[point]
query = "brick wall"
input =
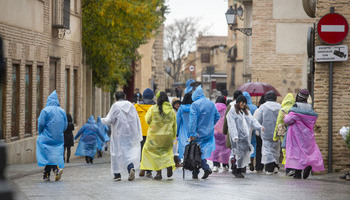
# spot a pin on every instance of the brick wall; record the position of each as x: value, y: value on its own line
x: 341, y: 94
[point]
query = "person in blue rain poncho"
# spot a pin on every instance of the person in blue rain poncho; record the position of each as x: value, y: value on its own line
x: 52, y: 122
x: 87, y: 146
x: 203, y: 117
x: 182, y: 120
x: 104, y: 130
x: 252, y: 109
x: 189, y: 86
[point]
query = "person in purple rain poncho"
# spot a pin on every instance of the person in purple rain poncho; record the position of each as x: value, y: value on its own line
x: 221, y: 154
x: 302, y: 152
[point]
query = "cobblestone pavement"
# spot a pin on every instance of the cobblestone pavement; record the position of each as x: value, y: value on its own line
x: 83, y: 181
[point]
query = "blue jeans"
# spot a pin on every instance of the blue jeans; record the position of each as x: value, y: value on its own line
x: 205, y: 167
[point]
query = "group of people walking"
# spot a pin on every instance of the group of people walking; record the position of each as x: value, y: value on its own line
x: 152, y: 135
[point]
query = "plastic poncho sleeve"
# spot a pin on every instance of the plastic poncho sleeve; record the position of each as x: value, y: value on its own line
x: 290, y: 118
x: 192, y: 127
x: 79, y: 132
x: 178, y: 121
x: 225, y: 127
x: 279, y: 121
x: 254, y: 123
x: 232, y: 126
x: 42, y: 121
x: 100, y: 135
x: 174, y: 126
x: 111, y: 116
x: 149, y: 114
x: 259, y: 116
x: 217, y: 116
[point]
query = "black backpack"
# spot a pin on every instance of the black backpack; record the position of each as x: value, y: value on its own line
x: 192, y: 157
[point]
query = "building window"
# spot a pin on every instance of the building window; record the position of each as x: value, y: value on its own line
x: 28, y: 101
x: 52, y: 78
x: 67, y: 88
x: 60, y: 13
x: 233, y: 75
x: 39, y: 92
x: 75, y: 95
x: 205, y: 57
x: 15, y: 101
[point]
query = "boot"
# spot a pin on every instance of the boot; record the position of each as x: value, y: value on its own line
x: 142, y: 173
x: 297, y: 174
x: 159, y: 175
x: 251, y: 164
x: 169, y: 171
x: 238, y: 173
x: 46, y: 176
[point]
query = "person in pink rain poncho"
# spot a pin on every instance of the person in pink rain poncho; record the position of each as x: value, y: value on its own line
x: 221, y: 154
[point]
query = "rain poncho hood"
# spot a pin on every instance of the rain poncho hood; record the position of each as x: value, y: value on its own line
x: 104, y: 129
x: 250, y: 104
x: 221, y: 153
x: 89, y: 133
x: 287, y: 104
x: 52, y: 122
x: 267, y: 117
x: 182, y: 120
x: 126, y: 136
x: 141, y: 111
x: 301, y: 147
x: 239, y: 126
x: 203, y: 117
x: 157, y: 152
x: 188, y: 85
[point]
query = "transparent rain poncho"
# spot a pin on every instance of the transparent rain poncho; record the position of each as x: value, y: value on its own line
x: 52, y: 122
x: 89, y: 133
x: 125, y: 147
x: 157, y: 152
x: 104, y: 129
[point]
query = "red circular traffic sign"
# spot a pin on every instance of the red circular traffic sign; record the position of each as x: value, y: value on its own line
x: 332, y: 28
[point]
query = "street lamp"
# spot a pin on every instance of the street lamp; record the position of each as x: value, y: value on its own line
x: 231, y: 15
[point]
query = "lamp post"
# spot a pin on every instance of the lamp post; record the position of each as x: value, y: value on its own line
x: 231, y: 16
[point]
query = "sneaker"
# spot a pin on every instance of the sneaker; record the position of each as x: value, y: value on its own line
x: 215, y: 169
x: 307, y: 171
x: 58, y: 174
x: 169, y: 171
x: 117, y: 177
x: 131, y: 174
x: 291, y: 173
x: 46, y: 177
x: 226, y: 168
x: 194, y: 176
x: 206, y: 174
x: 142, y: 173
x: 251, y: 167
x: 269, y: 173
x: 149, y: 175
x: 347, y: 174
x: 158, y: 176
x: 275, y: 170
x: 297, y: 175
x: 238, y: 175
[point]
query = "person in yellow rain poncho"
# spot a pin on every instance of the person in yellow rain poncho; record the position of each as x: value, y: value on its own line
x: 142, y: 108
x: 157, y: 153
x: 287, y: 104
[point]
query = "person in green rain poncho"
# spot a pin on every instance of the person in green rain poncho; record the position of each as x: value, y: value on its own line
x: 157, y: 152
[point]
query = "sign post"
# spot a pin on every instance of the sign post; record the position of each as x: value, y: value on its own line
x: 332, y: 29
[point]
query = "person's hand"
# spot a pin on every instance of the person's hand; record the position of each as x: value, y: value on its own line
x: 263, y: 129
x: 192, y: 138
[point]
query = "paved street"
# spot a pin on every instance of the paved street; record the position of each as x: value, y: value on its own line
x: 82, y: 181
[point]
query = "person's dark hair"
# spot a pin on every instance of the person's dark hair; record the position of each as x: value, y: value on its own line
x: 236, y: 94
x: 270, y: 96
x: 262, y: 100
x: 240, y: 99
x: 187, y: 99
x: 176, y: 102
x: 119, y: 95
x: 302, y: 96
x: 69, y: 118
x: 228, y: 101
x: 163, y: 97
x: 221, y: 99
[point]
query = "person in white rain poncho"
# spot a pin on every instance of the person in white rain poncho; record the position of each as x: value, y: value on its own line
x: 268, y: 117
x: 240, y: 121
x: 126, y: 136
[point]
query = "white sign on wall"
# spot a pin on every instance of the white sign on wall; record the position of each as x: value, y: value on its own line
x: 331, y: 53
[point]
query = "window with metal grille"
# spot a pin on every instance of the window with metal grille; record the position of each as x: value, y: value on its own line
x: 28, y: 101
x: 205, y: 57
x: 60, y: 13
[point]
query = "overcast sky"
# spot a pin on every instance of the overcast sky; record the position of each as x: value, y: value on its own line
x: 211, y: 12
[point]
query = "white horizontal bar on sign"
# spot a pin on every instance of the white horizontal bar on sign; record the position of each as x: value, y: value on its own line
x: 332, y: 28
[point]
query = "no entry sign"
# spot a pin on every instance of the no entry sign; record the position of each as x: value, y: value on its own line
x: 332, y: 28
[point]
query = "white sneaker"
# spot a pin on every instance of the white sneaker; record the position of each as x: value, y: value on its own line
x: 275, y: 171
x: 269, y: 173
x: 215, y: 169
x: 58, y: 174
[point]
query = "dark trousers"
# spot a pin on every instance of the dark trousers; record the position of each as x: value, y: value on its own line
x: 258, y: 165
x: 205, y: 167
x: 217, y: 164
x: 88, y: 159
x: 143, y: 143
x: 48, y: 168
x: 68, y: 153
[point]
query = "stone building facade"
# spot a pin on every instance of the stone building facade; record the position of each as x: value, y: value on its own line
x: 39, y: 59
x: 341, y: 94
